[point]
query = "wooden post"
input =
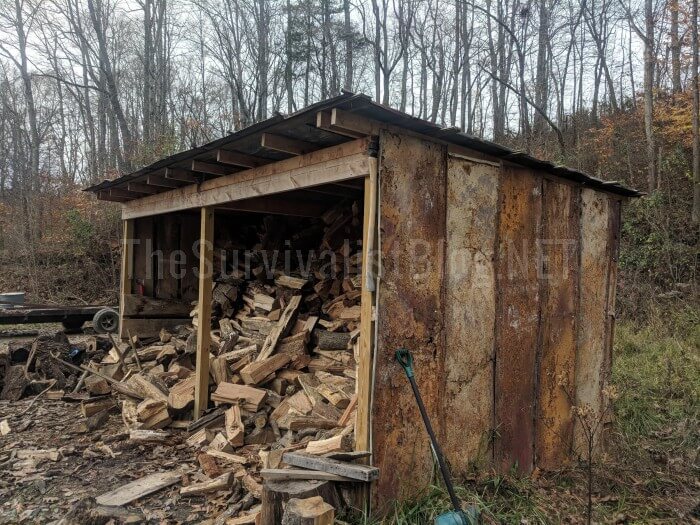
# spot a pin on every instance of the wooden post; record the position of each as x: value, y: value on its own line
x: 364, y: 365
x: 206, y: 251
x: 365, y: 354
x: 127, y: 269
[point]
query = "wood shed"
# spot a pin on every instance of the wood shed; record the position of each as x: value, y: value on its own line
x: 496, y: 269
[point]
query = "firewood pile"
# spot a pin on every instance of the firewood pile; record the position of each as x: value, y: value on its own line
x: 282, y: 373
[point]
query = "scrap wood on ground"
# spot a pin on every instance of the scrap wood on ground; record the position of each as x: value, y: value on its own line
x: 282, y: 382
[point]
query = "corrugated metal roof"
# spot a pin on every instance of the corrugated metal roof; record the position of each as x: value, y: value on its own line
x: 301, y: 126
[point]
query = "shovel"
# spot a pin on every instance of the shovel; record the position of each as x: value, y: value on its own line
x: 458, y: 516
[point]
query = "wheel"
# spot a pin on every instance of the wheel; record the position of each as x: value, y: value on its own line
x: 106, y: 321
x: 72, y: 327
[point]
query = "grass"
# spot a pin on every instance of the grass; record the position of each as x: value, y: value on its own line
x: 650, y: 469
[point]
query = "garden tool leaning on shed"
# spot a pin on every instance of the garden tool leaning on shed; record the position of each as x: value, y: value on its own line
x: 458, y: 516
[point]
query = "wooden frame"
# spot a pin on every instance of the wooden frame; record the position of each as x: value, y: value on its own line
x: 206, y: 252
x: 334, y: 164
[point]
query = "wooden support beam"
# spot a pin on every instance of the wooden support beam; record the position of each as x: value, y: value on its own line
x: 181, y: 174
x: 332, y: 189
x: 279, y: 206
x: 123, y: 193
x: 140, y: 187
x: 211, y: 168
x: 343, y: 123
x: 127, y: 269
x: 286, y: 144
x: 365, y: 358
x: 105, y: 196
x: 239, y: 159
x: 206, y: 251
x: 158, y: 180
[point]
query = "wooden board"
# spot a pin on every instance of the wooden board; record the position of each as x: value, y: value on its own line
x: 151, y: 327
x: 593, y: 294
x: 470, y: 311
x: 410, y: 313
x: 134, y: 305
x: 614, y: 224
x: 201, y: 386
x: 560, y: 227
x: 365, y: 355
x: 127, y: 268
x: 139, y: 488
x: 143, y: 250
x: 332, y: 466
x: 517, y: 319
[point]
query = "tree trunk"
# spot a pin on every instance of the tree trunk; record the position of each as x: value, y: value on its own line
x: 348, y: 46
x: 675, y: 48
x: 696, y: 117
x: 649, y: 93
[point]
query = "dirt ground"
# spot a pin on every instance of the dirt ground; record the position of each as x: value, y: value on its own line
x: 89, y: 464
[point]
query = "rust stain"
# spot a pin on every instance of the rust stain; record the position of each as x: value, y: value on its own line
x: 554, y: 425
x: 410, y: 313
x: 517, y: 319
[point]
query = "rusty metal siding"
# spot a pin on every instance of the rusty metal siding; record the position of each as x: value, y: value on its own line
x: 410, y: 313
x: 470, y: 308
x: 559, y: 285
x: 591, y: 359
x: 517, y: 319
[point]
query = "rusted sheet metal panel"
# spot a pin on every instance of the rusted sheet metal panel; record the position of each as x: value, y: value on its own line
x: 593, y: 292
x: 410, y: 313
x: 470, y: 311
x: 559, y: 279
x: 517, y: 318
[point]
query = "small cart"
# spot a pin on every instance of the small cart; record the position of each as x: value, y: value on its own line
x: 104, y: 319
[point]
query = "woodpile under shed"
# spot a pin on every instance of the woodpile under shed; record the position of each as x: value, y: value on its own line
x: 282, y: 377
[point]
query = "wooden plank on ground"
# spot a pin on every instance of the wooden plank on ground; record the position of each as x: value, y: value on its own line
x: 410, y: 313
x: 206, y: 250
x: 517, y: 318
x: 139, y: 488
x: 332, y: 466
x: 470, y: 312
x: 560, y: 229
x: 289, y: 474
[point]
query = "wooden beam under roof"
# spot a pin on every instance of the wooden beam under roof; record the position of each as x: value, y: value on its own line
x: 158, y: 180
x: 286, y: 144
x: 211, y: 168
x: 181, y: 174
x: 280, y: 206
x: 241, y: 160
x: 334, y: 190
x: 105, y: 196
x: 124, y: 193
x: 140, y: 187
x: 331, y: 165
x: 344, y: 123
